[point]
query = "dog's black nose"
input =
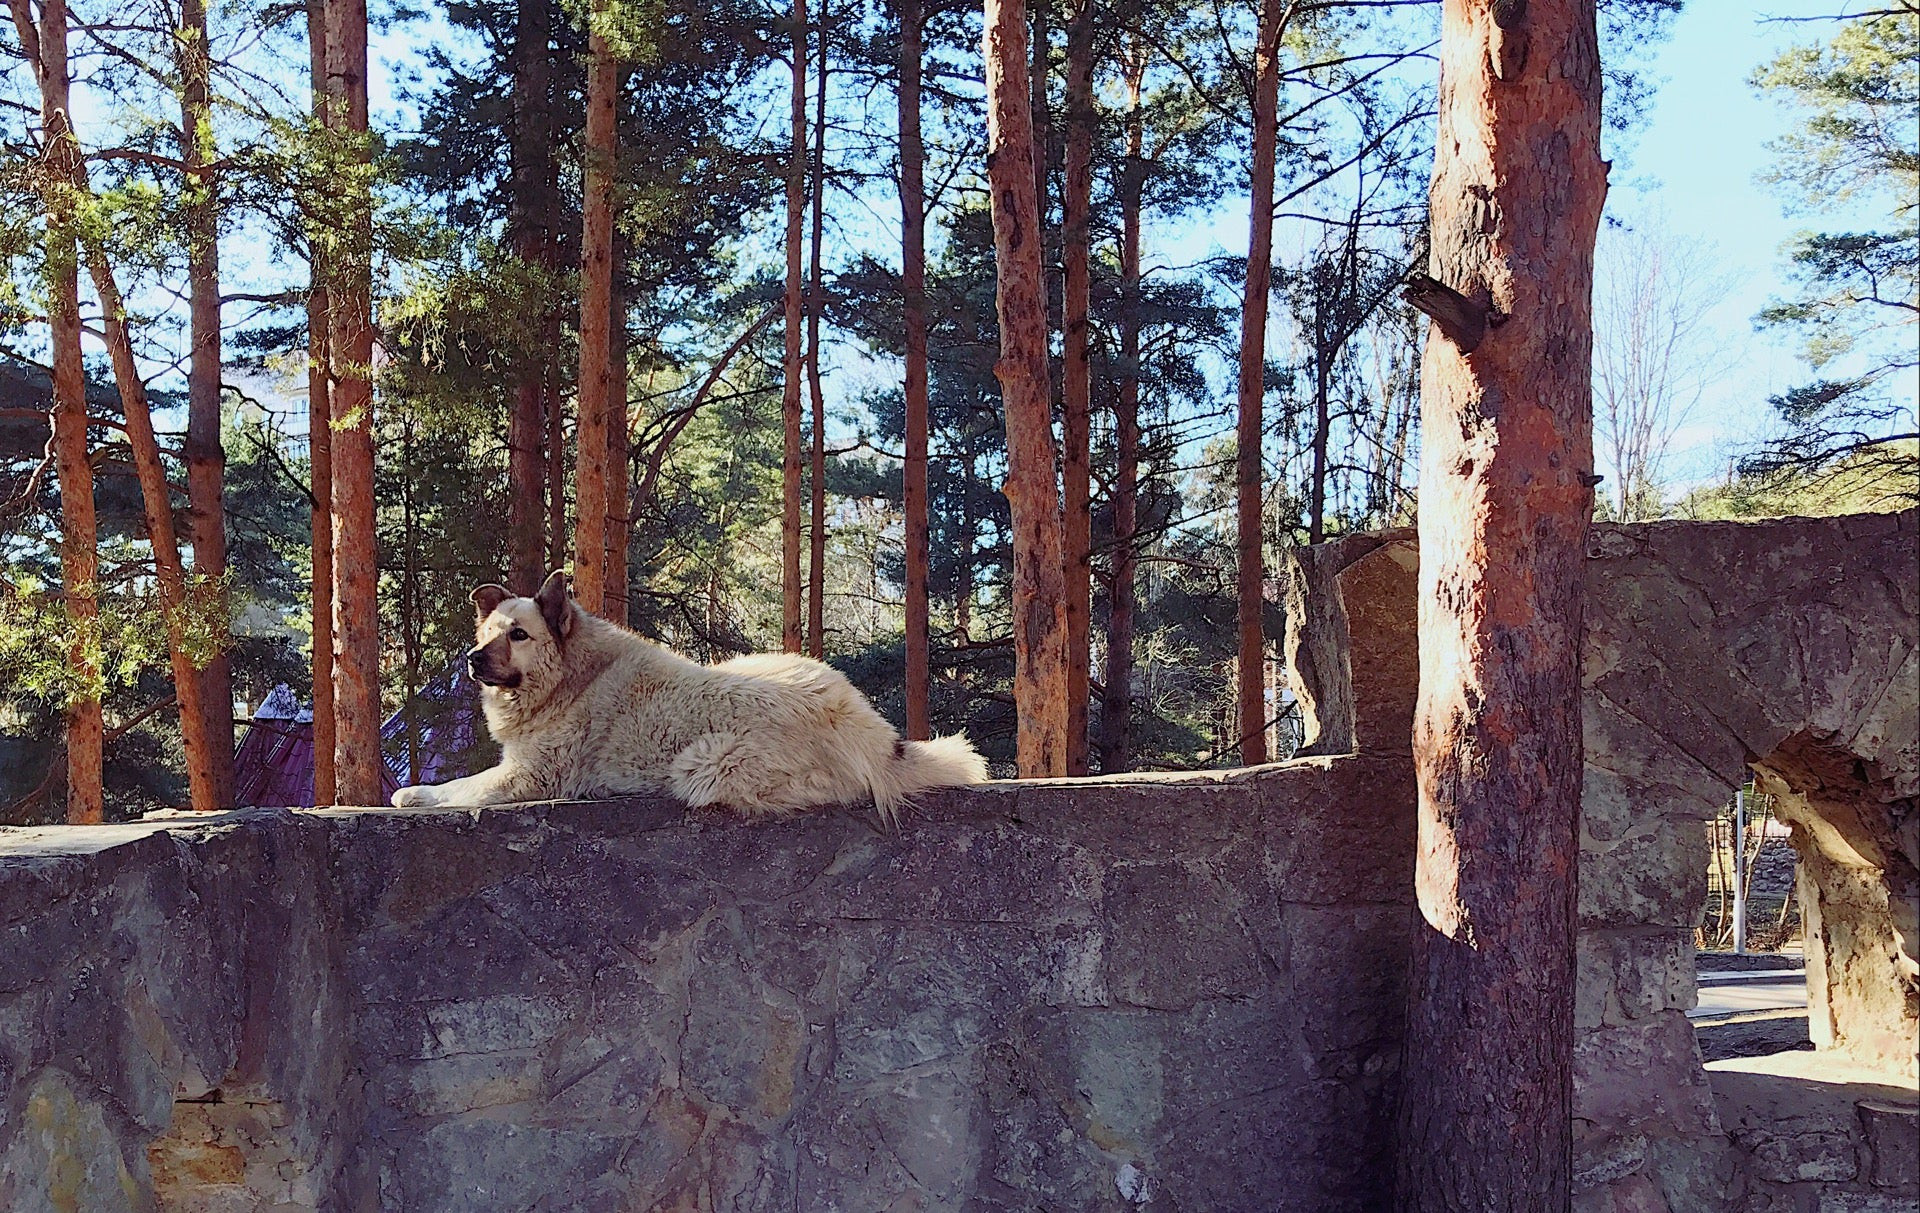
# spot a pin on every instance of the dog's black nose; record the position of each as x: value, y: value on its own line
x: 473, y: 659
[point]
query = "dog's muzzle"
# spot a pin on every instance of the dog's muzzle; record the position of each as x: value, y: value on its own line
x: 481, y: 669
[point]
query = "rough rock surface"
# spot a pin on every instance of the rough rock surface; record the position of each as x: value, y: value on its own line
x: 1787, y: 649
x: 1159, y: 994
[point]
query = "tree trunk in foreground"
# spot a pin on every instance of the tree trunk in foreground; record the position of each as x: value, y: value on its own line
x: 320, y: 452
x: 1033, y: 481
x: 913, y: 288
x: 1505, y: 498
x: 1248, y: 480
x: 79, y: 553
x: 1076, y: 377
x: 356, y: 572
x: 206, y: 460
x: 532, y: 202
x: 817, y: 455
x: 591, y: 474
x: 1116, y: 707
x: 790, y: 589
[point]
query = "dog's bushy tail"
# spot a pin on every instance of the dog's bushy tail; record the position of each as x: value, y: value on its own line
x: 917, y: 766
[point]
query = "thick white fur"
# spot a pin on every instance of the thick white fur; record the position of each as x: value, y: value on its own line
x: 600, y: 712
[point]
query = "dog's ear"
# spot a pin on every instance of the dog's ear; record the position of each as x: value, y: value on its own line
x: 487, y: 597
x: 556, y: 604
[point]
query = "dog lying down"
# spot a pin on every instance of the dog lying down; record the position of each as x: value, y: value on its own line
x: 583, y: 708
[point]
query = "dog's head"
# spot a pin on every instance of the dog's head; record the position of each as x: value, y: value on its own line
x: 520, y: 643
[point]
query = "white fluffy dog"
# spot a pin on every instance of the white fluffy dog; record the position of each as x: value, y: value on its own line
x: 583, y: 708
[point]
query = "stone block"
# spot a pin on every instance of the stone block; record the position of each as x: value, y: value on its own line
x: 1867, y: 1202
x: 1643, y: 1074
x: 1892, y: 1133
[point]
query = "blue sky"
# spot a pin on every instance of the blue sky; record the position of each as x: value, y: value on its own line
x: 1697, y: 162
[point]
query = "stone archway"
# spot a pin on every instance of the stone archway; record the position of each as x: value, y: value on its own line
x: 1789, y: 648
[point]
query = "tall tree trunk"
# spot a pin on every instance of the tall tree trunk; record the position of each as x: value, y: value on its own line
x: 1116, y: 708
x: 47, y: 48
x: 1505, y: 499
x: 356, y: 571
x: 817, y: 462
x: 1274, y: 15
x: 790, y: 466
x: 531, y: 204
x: 913, y: 289
x: 1076, y: 377
x: 79, y: 555
x: 1033, y: 480
x: 202, y: 784
x: 591, y: 474
x: 1037, y: 71
x: 206, y: 459
x: 1317, y: 485
x: 320, y: 450
x: 619, y: 448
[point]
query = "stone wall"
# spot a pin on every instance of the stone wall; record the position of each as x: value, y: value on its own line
x: 1788, y: 648
x: 1158, y: 993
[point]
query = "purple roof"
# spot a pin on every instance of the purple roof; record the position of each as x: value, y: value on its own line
x: 274, y: 763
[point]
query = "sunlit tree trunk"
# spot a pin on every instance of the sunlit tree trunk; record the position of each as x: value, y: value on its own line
x: 1116, y: 708
x: 791, y: 369
x: 913, y: 288
x: 169, y: 573
x: 46, y: 45
x: 1505, y: 498
x: 1076, y: 376
x: 591, y: 473
x: 1033, y: 482
x: 1248, y: 478
x: 816, y: 302
x: 206, y: 459
x: 320, y: 450
x: 356, y: 573
x: 532, y: 201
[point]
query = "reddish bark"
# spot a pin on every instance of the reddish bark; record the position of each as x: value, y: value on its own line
x: 203, y: 789
x: 913, y: 290
x: 1505, y: 498
x: 817, y: 460
x: 46, y: 47
x: 532, y: 202
x: 1248, y: 478
x: 356, y: 575
x: 591, y: 473
x: 320, y: 454
x: 1033, y: 481
x: 1116, y: 708
x: 1076, y: 377
x: 206, y: 459
x: 790, y: 589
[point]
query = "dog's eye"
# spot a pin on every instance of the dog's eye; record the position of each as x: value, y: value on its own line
x: 517, y: 634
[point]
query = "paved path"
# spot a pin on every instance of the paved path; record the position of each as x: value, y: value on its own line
x: 1772, y: 991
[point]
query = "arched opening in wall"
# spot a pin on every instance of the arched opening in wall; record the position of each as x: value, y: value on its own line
x: 1749, y: 949
x: 1857, y: 845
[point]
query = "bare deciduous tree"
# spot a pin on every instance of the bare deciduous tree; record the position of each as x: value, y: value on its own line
x: 1651, y: 356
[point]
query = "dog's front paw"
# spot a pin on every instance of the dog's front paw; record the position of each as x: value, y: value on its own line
x: 420, y: 796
